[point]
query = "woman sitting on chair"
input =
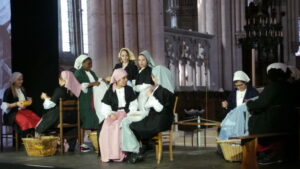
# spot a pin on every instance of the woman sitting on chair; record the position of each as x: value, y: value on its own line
x: 15, y: 104
x: 160, y: 103
x: 118, y: 100
x: 69, y: 89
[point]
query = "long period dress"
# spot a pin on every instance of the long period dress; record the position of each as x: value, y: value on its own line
x: 24, y: 118
x: 117, y: 102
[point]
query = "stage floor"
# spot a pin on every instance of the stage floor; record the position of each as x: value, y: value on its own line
x: 184, y: 158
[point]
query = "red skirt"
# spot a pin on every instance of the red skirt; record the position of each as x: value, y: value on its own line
x: 26, y: 119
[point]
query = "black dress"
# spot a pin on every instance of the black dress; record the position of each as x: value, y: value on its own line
x: 144, y: 76
x: 110, y: 98
x: 156, y: 122
x: 51, y: 118
x: 273, y: 111
x: 131, y: 70
x: 9, y: 118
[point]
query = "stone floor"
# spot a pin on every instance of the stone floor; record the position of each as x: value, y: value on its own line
x: 184, y: 157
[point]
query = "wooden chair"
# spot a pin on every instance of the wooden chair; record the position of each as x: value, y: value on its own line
x: 249, y: 145
x: 158, y: 139
x: 9, y: 133
x: 68, y: 105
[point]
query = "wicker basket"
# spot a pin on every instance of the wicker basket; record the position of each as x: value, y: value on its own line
x: 40, y: 147
x: 232, y: 149
x: 93, y: 137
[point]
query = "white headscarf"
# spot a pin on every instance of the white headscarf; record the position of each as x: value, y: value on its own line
x: 15, y: 76
x: 241, y: 76
x: 79, y: 60
x: 277, y: 65
x: 164, y: 77
x: 295, y: 72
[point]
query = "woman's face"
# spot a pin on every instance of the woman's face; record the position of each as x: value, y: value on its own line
x: 122, y: 82
x: 19, y: 82
x: 61, y: 81
x: 142, y: 61
x: 124, y: 57
x: 87, y: 64
x: 240, y: 85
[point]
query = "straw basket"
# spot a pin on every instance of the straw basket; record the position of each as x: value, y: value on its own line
x: 40, y: 147
x: 232, y: 149
x: 93, y: 137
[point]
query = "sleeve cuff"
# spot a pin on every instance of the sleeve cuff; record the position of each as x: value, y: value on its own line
x: 84, y: 87
x: 153, y: 102
x: 4, y: 107
x: 48, y: 104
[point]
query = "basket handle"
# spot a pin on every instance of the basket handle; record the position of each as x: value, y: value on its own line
x: 29, y: 136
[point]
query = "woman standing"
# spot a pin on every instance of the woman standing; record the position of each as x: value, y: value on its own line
x: 15, y: 112
x: 118, y: 100
x: 127, y: 58
x: 90, y: 115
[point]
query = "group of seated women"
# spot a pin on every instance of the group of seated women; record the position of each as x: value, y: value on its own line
x: 271, y: 111
x: 131, y: 106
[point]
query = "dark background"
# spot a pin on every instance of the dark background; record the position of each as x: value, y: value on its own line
x: 35, y: 46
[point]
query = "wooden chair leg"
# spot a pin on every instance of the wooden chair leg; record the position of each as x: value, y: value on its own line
x: 156, y: 150
x: 16, y: 139
x: 159, y: 149
x: 171, y: 145
x: 249, y: 155
x: 79, y: 138
x: 82, y: 136
x: 184, y: 138
x: 61, y: 137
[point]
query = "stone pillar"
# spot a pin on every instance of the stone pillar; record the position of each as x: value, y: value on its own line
x: 202, y: 15
x: 157, y: 31
x: 290, y: 31
x: 227, y: 43
x: 130, y: 25
x: 211, y: 26
x: 98, y: 33
x: 117, y: 25
x: 113, y: 24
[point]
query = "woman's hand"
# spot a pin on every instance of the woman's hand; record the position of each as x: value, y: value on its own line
x: 224, y: 104
x: 94, y: 84
x: 44, y: 96
x: 107, y: 79
x: 113, y: 117
x: 19, y: 104
x: 150, y: 90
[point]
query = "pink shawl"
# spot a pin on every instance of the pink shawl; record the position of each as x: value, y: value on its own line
x: 71, y: 83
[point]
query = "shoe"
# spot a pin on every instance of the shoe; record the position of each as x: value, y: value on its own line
x: 267, y: 159
x: 84, y: 148
x: 133, y: 158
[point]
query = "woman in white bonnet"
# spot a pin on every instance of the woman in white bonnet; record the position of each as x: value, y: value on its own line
x: 241, y: 93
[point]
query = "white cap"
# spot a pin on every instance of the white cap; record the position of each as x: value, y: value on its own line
x: 241, y: 76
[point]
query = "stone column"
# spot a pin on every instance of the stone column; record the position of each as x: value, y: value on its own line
x: 98, y: 37
x: 226, y: 42
x: 211, y: 26
x: 130, y: 25
x: 157, y: 31
x: 202, y: 15
x: 117, y: 25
